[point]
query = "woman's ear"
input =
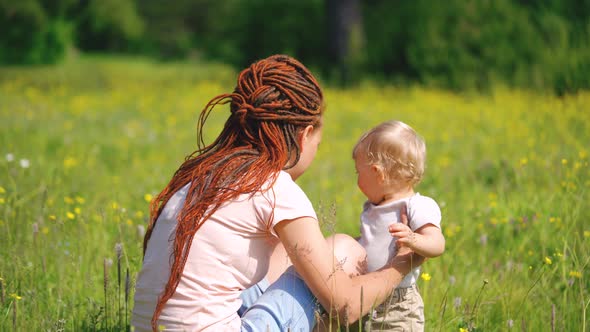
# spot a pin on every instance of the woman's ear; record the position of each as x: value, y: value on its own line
x: 305, y: 134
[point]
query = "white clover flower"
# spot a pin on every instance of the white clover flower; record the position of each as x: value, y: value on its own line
x: 9, y: 157
x: 452, y: 280
x: 140, y: 231
x: 25, y: 163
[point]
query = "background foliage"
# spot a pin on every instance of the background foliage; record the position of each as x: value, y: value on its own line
x: 499, y: 89
x: 85, y: 145
x: 454, y: 44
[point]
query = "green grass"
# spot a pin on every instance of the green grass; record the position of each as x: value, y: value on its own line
x: 510, y: 170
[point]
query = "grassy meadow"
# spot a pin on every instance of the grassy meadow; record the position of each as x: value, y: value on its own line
x: 84, y: 146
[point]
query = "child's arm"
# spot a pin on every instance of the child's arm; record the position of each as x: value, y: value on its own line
x: 428, y: 241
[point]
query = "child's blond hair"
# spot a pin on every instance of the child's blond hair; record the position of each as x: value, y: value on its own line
x: 397, y: 149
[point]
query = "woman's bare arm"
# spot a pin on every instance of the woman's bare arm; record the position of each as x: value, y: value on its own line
x: 336, y: 290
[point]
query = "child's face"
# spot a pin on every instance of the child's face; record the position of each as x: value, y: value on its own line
x: 369, y: 179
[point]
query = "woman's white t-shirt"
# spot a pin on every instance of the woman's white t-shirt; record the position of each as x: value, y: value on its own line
x: 229, y: 253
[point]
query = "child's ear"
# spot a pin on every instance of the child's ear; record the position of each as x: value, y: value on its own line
x: 379, y: 171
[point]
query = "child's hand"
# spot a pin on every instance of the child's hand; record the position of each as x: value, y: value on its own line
x: 405, y: 236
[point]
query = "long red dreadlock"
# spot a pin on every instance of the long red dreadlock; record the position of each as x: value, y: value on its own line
x: 275, y: 98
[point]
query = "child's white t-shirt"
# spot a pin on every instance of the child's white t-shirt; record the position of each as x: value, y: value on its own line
x: 375, y: 236
x: 229, y: 253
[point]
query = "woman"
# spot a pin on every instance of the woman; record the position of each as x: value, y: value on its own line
x: 233, y: 203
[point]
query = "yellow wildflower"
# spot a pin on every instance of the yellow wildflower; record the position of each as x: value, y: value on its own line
x: 77, y: 210
x: 2, y: 190
x: 548, y: 260
x: 16, y: 296
x: 425, y: 277
x: 2, y: 200
x: 564, y: 161
x: 45, y: 230
x: 80, y: 200
x: 576, y: 274
x: 68, y: 200
x: 52, y: 217
x: 70, y: 215
x: 461, y: 329
x: 70, y: 162
x: 148, y: 197
x: 586, y: 233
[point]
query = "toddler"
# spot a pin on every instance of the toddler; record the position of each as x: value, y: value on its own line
x: 389, y: 161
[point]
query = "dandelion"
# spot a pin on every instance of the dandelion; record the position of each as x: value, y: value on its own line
x: 25, y: 163
x: 462, y: 329
x: 77, y: 210
x: 148, y: 197
x: 548, y: 260
x: 564, y: 161
x: 70, y: 215
x: 2, y: 190
x: 2, y: 200
x: 575, y: 274
x: 9, y: 157
x: 45, y: 230
x: 523, y: 161
x: 52, y: 217
x: 80, y: 200
x: 114, y: 205
x: 586, y: 233
x: 425, y: 277
x: 68, y: 200
x: 70, y: 162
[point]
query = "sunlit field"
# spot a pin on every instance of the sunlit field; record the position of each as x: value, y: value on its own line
x: 86, y: 145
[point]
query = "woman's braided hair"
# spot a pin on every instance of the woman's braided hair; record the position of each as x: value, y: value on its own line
x: 275, y: 98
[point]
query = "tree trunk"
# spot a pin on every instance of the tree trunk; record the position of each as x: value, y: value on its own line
x: 344, y: 20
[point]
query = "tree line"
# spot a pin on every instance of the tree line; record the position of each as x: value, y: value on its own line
x: 457, y: 44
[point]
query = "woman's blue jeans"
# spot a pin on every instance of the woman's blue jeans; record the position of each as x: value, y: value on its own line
x: 285, y: 305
